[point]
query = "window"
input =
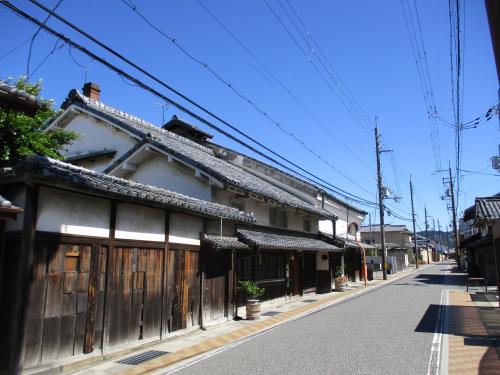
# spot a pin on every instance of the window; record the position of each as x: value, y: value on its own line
x: 307, y: 225
x: 278, y: 217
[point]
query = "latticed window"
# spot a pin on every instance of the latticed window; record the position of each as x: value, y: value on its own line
x: 278, y: 217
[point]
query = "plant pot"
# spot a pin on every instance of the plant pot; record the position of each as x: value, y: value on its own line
x: 253, y: 309
x: 339, y: 285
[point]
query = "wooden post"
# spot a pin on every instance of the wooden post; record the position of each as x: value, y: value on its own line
x: 88, y: 346
x: 201, y: 271
x: 164, y: 278
x: 111, y: 244
x: 24, y: 275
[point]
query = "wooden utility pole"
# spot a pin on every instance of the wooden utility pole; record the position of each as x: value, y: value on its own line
x: 415, y: 253
x: 426, y: 235
x: 454, y: 214
x: 380, y: 201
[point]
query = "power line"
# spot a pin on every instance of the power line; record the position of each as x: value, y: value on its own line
x: 279, y: 82
x: 32, y: 41
x: 324, y: 184
x: 242, y: 96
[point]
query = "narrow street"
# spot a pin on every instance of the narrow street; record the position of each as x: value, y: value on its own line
x: 386, y: 331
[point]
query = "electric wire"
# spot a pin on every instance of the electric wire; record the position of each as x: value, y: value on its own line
x: 242, y: 96
x: 324, y: 184
x: 32, y: 41
x: 280, y: 83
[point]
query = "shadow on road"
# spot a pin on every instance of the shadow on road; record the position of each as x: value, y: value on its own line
x: 461, y: 323
x: 451, y: 279
x: 476, y: 326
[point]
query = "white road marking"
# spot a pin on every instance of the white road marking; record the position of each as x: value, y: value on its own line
x: 435, y: 357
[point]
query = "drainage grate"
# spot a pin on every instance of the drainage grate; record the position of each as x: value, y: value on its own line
x: 142, y: 357
x: 309, y: 300
x: 270, y: 313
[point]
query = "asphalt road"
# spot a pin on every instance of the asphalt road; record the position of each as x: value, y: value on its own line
x: 388, y: 330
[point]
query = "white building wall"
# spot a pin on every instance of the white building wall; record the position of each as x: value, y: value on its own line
x: 135, y: 222
x: 185, y: 229
x: 96, y: 136
x: 72, y: 213
x: 157, y: 171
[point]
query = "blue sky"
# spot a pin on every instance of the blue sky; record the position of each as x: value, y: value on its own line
x: 367, y: 44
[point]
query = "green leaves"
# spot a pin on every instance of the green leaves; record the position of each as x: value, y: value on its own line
x: 22, y: 135
x: 251, y: 289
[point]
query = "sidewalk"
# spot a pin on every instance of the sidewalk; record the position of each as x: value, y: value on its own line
x: 473, y: 333
x: 177, y: 350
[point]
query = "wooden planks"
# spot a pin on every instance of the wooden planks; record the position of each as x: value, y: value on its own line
x: 134, y: 294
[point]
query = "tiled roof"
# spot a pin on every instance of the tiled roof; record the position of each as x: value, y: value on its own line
x: 194, y: 154
x: 485, y: 208
x: 12, y: 96
x: 352, y: 243
x: 488, y: 208
x: 273, y: 240
x: 59, y: 173
x: 387, y: 228
x: 223, y: 242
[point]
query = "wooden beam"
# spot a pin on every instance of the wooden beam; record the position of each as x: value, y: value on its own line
x: 88, y: 346
x: 24, y: 275
x: 106, y: 311
x: 164, y: 280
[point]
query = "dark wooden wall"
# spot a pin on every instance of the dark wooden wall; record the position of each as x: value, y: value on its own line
x: 182, y: 292
x: 80, y: 300
x: 216, y: 285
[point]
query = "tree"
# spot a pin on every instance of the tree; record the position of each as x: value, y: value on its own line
x: 22, y: 133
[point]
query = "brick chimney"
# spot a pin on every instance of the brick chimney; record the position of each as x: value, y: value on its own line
x: 92, y: 90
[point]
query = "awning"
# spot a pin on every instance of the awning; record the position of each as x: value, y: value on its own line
x: 222, y: 242
x: 283, y: 241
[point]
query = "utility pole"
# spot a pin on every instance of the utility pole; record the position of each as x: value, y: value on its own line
x: 434, y: 254
x: 426, y: 235
x: 454, y: 213
x: 415, y: 254
x: 380, y: 200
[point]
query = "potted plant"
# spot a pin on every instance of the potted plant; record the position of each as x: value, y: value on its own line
x: 253, y: 292
x: 340, y: 279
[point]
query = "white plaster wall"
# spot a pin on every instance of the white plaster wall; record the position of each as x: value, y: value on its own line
x: 97, y: 136
x: 135, y: 222
x: 322, y: 265
x: 157, y: 171
x: 71, y: 213
x: 214, y: 227
x: 260, y: 210
x: 326, y: 226
x: 185, y: 229
x: 17, y: 195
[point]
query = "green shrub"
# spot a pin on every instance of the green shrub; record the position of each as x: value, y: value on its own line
x: 251, y: 289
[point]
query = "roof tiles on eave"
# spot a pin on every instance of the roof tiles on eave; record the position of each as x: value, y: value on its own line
x: 197, y: 155
x: 488, y: 208
x: 64, y: 174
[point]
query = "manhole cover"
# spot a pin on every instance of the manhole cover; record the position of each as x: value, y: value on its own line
x: 142, y: 357
x: 270, y: 313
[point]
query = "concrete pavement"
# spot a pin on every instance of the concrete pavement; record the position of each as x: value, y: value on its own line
x: 199, y: 342
x: 401, y: 326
